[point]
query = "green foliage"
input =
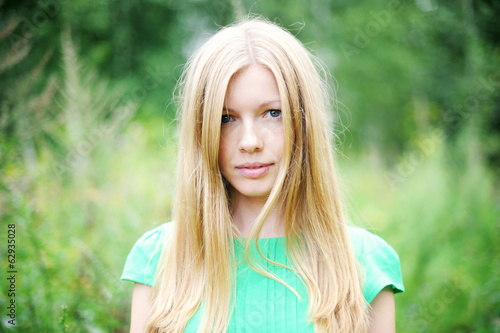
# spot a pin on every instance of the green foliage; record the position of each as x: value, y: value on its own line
x: 87, y: 163
x: 75, y: 198
x: 439, y: 208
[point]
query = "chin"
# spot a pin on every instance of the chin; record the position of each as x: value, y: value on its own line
x: 254, y: 194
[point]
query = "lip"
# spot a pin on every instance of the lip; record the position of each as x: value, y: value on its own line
x: 253, y: 170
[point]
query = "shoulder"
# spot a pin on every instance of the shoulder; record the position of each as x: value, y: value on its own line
x: 364, y: 241
x: 151, y: 240
x: 142, y: 260
x: 380, y: 262
x: 152, y: 236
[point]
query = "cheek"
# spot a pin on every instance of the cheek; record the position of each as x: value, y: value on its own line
x: 278, y: 143
x: 223, y: 155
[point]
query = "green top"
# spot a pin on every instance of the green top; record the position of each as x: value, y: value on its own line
x: 262, y: 304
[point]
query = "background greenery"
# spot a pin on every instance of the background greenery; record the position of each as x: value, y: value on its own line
x: 88, y: 146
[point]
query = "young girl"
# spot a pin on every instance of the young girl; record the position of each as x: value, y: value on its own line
x: 259, y: 242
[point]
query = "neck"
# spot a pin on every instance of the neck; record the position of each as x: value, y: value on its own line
x: 246, y: 210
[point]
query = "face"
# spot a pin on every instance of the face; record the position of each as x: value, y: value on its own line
x: 251, y: 144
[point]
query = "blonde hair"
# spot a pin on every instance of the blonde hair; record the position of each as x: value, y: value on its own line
x: 198, y: 261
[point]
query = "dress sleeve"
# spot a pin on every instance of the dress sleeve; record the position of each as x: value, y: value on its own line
x: 142, y: 260
x: 380, y: 262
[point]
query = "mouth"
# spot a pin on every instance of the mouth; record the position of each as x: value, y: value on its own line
x: 253, y: 170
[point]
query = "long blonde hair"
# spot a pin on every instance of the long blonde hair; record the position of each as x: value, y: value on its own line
x: 198, y: 261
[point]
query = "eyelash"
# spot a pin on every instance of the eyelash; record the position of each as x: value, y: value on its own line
x: 274, y: 110
x: 226, y: 118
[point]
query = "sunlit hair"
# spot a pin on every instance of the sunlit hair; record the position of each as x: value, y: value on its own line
x: 198, y: 261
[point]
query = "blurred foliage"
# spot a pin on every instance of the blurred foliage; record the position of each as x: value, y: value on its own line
x: 87, y: 143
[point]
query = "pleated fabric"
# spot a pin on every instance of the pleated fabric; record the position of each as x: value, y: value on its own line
x: 263, y: 304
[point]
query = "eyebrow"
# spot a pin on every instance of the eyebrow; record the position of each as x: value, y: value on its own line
x: 270, y: 102
x: 261, y: 105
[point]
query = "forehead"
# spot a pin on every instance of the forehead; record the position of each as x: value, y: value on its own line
x: 253, y: 85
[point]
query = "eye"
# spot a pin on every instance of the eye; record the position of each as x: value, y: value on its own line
x: 274, y: 113
x: 226, y: 118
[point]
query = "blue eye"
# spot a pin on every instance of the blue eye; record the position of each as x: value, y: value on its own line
x: 274, y: 113
x: 225, y: 118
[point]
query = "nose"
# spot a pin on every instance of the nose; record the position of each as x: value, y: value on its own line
x: 250, y: 140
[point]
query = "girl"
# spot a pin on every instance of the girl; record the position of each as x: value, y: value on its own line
x: 259, y: 242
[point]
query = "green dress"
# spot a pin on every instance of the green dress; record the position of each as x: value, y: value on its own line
x: 262, y: 304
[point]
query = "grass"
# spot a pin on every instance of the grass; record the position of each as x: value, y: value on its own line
x: 442, y: 218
